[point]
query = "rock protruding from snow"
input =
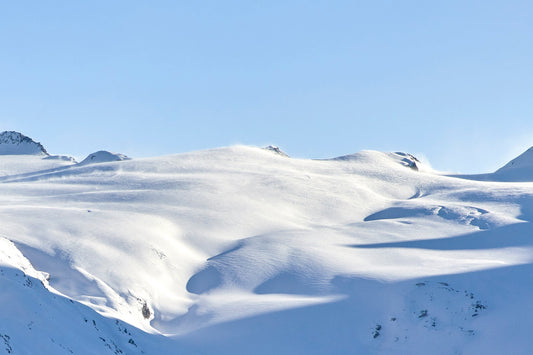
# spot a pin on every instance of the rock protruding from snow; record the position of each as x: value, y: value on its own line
x: 15, y: 143
x: 276, y: 150
x: 103, y: 156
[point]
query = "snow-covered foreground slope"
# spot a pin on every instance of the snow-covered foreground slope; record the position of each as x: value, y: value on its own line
x: 242, y: 250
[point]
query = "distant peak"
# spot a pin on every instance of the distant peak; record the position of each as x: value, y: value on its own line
x: 524, y: 160
x: 276, y: 150
x: 103, y: 156
x: 15, y: 143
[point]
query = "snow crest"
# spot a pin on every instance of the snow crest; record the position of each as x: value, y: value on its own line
x: 518, y: 169
x: 103, y: 156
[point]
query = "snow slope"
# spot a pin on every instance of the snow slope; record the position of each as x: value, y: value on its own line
x: 518, y: 169
x: 241, y: 250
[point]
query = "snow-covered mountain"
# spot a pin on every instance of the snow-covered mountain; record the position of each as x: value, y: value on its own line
x: 15, y: 143
x: 240, y: 251
x: 518, y: 169
x: 21, y: 154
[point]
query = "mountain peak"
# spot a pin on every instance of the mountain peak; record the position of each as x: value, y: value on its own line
x: 524, y: 160
x: 15, y: 143
x: 518, y: 169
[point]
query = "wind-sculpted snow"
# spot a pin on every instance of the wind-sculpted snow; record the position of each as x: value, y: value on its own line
x: 238, y: 251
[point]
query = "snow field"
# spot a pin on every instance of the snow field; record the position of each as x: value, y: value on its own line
x: 240, y: 250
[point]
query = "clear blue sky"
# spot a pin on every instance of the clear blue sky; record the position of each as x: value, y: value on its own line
x: 452, y: 80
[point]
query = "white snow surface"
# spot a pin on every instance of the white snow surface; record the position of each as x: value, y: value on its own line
x: 103, y: 156
x: 240, y: 251
x: 518, y: 169
x: 11, y: 166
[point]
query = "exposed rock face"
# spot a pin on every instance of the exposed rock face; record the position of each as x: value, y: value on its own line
x: 15, y: 143
x: 146, y: 311
x: 276, y: 150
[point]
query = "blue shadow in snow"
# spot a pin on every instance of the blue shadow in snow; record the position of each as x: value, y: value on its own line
x: 514, y: 235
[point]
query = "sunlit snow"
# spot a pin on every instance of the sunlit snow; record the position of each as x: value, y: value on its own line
x: 242, y: 250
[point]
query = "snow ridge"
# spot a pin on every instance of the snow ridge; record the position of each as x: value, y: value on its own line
x: 518, y: 169
x: 524, y: 160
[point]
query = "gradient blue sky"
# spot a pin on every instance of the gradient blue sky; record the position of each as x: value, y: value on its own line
x: 450, y: 80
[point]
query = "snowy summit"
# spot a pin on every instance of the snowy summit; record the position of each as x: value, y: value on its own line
x: 103, y: 156
x: 15, y: 143
x: 518, y: 169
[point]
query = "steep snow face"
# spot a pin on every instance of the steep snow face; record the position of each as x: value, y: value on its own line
x: 54, y: 323
x: 15, y: 143
x: 524, y: 160
x: 103, y: 156
x: 518, y: 169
